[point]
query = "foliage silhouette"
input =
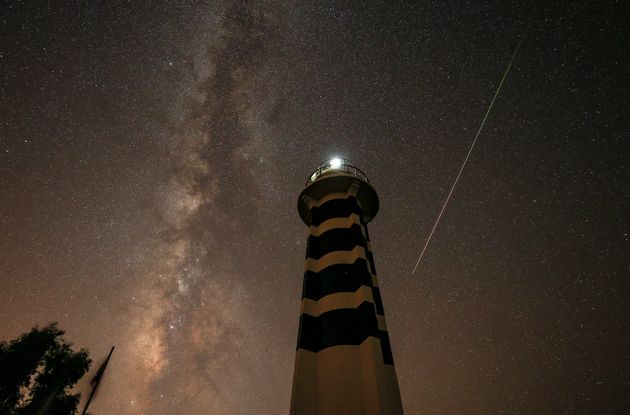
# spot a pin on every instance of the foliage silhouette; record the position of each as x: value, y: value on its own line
x: 38, y: 371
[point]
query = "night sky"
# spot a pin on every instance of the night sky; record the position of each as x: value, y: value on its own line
x: 151, y: 156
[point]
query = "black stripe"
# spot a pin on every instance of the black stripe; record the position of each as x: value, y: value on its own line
x: 347, y: 326
x: 370, y: 258
x: 337, y: 278
x: 344, y: 326
x: 336, y: 208
x: 367, y: 234
x: 386, y: 348
x: 378, y: 302
x: 337, y: 239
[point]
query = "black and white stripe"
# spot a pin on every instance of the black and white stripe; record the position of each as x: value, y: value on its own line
x: 342, y: 311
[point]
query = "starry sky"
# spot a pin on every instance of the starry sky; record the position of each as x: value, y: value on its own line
x: 151, y: 155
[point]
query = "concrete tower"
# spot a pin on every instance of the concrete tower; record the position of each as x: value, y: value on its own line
x: 344, y: 363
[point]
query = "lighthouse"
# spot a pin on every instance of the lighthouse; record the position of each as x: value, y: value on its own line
x: 344, y: 363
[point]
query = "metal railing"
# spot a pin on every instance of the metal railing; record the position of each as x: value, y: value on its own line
x: 337, y: 165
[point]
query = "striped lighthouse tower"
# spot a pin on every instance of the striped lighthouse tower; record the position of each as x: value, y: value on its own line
x: 344, y: 363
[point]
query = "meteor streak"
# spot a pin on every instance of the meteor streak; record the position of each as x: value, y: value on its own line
x: 470, y: 150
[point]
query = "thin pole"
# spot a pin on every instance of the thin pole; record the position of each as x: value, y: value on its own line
x: 97, y: 380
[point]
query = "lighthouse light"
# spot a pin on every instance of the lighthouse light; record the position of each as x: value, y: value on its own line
x: 335, y: 163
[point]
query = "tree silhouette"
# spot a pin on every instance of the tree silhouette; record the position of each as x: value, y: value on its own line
x: 38, y: 371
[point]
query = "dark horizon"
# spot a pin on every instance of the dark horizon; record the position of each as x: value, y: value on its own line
x: 151, y: 157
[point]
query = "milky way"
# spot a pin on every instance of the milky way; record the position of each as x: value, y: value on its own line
x: 150, y: 162
x: 193, y: 325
